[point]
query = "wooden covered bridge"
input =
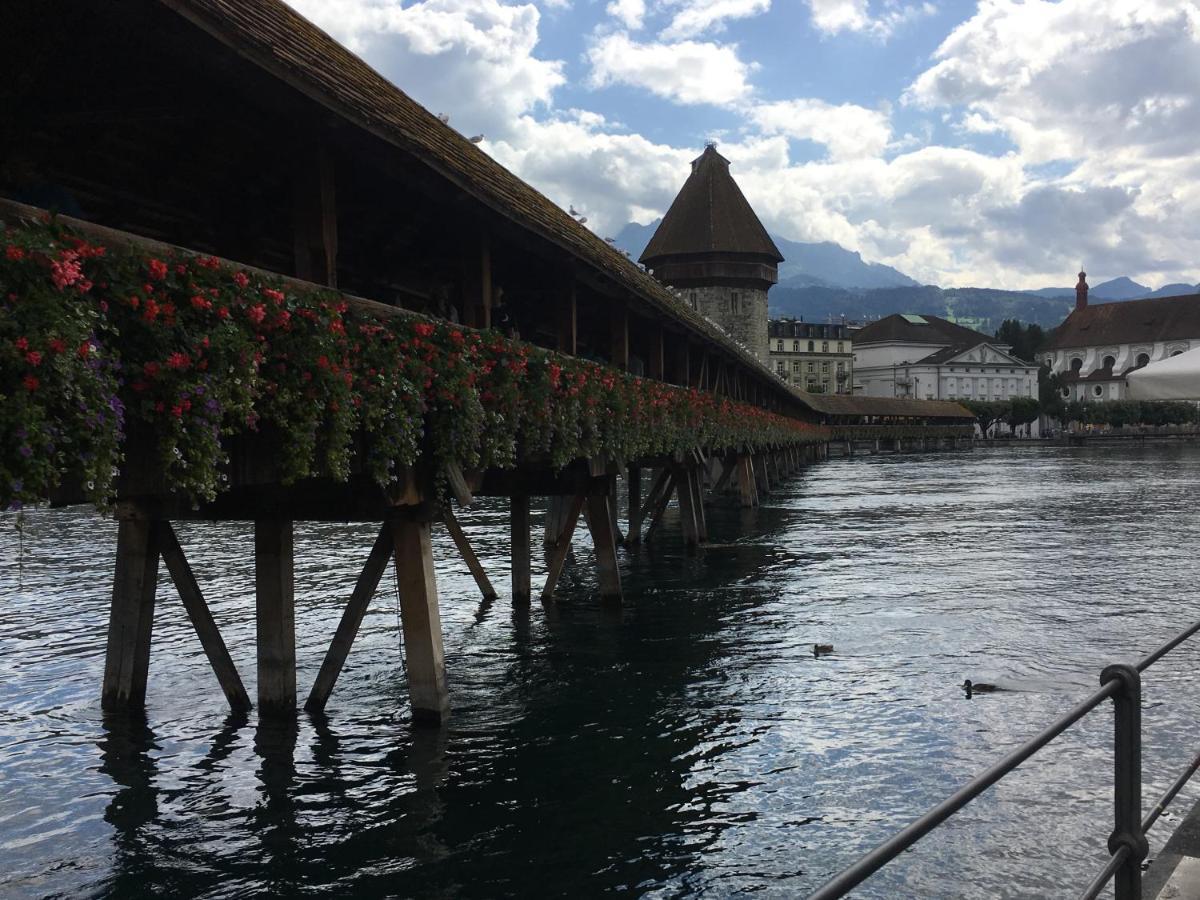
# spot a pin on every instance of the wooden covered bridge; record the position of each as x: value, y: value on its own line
x: 189, y: 336
x: 871, y: 424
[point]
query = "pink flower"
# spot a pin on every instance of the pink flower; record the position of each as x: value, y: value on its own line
x: 33, y: 358
x: 31, y: 383
x: 179, y: 361
x: 157, y: 268
x: 14, y: 253
x: 65, y: 272
x: 240, y: 279
x: 256, y: 313
x: 277, y: 296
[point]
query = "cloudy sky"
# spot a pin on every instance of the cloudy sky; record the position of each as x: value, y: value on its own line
x: 995, y: 144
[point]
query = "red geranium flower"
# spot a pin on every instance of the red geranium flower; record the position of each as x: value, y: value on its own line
x: 157, y: 268
x: 31, y: 383
x: 256, y: 313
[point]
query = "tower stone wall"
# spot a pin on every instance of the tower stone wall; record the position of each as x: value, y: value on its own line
x: 741, y: 311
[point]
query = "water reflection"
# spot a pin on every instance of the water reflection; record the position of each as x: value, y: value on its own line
x: 686, y: 743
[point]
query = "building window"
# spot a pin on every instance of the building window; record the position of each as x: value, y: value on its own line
x: 825, y: 366
x: 781, y: 367
x: 810, y: 367
x: 779, y: 346
x: 841, y: 367
x: 810, y: 346
x: 824, y: 346
x: 795, y: 365
x: 1098, y: 390
x: 1143, y: 359
x: 1066, y: 392
x: 1076, y: 364
x: 1176, y: 352
x: 795, y: 346
x: 840, y: 347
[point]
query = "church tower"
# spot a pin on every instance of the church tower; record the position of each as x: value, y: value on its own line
x: 711, y: 247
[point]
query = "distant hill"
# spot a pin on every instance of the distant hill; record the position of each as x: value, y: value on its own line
x: 978, y: 308
x: 825, y: 281
x: 823, y: 264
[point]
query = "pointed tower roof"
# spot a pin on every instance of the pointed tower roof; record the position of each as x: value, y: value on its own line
x: 710, y: 215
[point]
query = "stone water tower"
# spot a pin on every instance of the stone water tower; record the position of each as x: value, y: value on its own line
x: 712, y: 248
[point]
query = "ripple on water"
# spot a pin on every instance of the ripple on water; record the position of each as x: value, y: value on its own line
x: 688, y: 744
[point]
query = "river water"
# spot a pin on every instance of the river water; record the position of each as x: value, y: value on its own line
x: 688, y: 744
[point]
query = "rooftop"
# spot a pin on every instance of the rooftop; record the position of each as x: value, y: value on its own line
x: 710, y: 215
x: 1129, y: 322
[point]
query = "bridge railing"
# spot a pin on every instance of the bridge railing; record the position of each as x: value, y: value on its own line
x: 1127, y: 842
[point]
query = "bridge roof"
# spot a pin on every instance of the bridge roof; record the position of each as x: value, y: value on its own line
x: 857, y: 405
x: 286, y: 45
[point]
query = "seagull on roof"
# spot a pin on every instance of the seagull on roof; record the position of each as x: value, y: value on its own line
x: 610, y: 240
x: 573, y: 210
x: 475, y: 138
x: 583, y: 220
x: 444, y: 117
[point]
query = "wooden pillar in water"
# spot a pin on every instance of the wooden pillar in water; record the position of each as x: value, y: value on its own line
x: 275, y: 616
x: 633, y: 480
x: 131, y: 617
x: 519, y: 533
x: 685, y: 476
x: 420, y: 621
x: 747, y: 489
x: 599, y: 520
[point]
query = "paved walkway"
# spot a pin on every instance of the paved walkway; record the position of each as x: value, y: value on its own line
x: 1175, y: 872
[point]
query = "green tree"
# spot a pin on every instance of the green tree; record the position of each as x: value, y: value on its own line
x: 1050, y: 398
x: 987, y: 412
x: 1025, y: 340
x: 1022, y: 411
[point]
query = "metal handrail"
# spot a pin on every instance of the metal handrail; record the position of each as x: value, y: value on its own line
x: 1127, y: 843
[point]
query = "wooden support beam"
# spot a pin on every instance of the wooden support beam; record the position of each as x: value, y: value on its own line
x: 519, y: 540
x: 656, y: 489
x: 660, y: 505
x: 697, y: 490
x: 562, y: 543
x: 728, y: 467
x: 458, y: 483
x: 315, y: 217
x: 477, y: 282
x: 421, y: 621
x: 682, y: 363
x: 276, y: 616
x: 468, y: 553
x: 746, y: 482
x: 599, y: 519
x: 656, y: 363
x: 612, y: 510
x: 352, y: 616
x: 568, y: 328
x: 131, y: 617
x: 202, y: 619
x: 619, y: 334
x: 633, y: 483
x: 685, y: 478
x: 556, y: 513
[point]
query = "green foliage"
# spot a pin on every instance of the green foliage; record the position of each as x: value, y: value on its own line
x: 1050, y: 388
x: 987, y: 412
x: 188, y: 354
x: 1121, y: 413
x: 1025, y: 340
x: 1022, y: 411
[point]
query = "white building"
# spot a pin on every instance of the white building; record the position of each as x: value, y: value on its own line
x: 1097, y: 346
x: 930, y: 358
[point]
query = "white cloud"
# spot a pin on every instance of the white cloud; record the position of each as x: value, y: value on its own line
x: 878, y: 21
x: 688, y: 72
x: 482, y: 52
x: 694, y: 17
x: 847, y: 130
x: 631, y: 13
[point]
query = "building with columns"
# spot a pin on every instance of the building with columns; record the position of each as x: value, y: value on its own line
x: 711, y: 247
x: 930, y: 358
x: 1097, y: 345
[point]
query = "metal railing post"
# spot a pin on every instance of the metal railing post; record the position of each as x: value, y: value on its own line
x: 1127, y: 833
